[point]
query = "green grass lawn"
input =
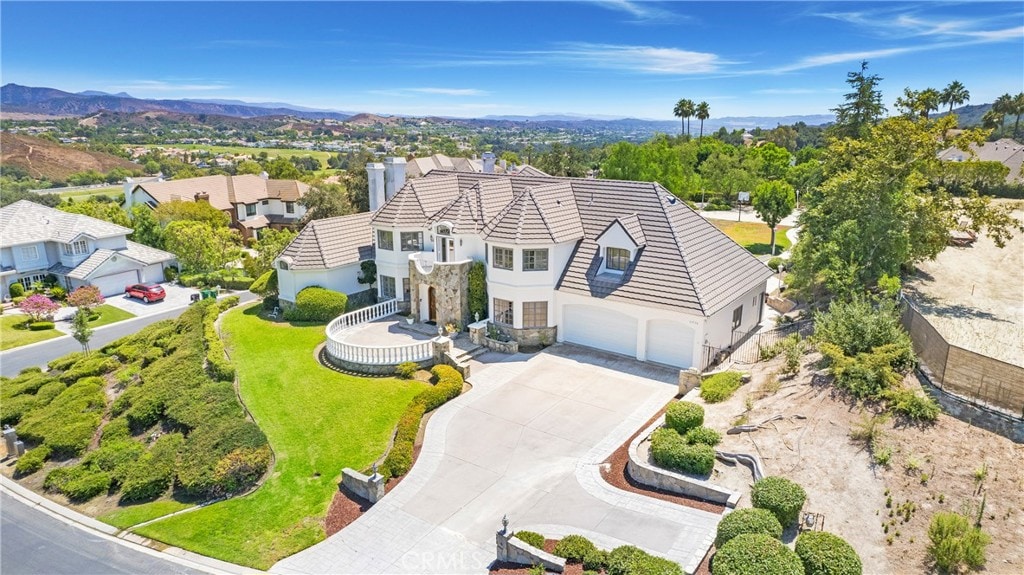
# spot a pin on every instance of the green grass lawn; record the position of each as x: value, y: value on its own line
x: 243, y: 150
x: 318, y: 421
x: 756, y: 237
x: 12, y: 334
x: 110, y: 314
x: 135, y: 514
x: 79, y: 195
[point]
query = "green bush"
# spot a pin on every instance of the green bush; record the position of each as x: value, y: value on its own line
x: 241, y: 468
x: 595, y: 560
x: 911, y: 405
x: 16, y: 290
x: 955, y: 543
x: 670, y: 450
x: 703, y: 435
x: 170, y: 273
x: 58, y: 293
x: 827, y: 554
x: 228, y: 302
x: 574, y: 548
x: 448, y: 386
x: 531, y: 538
x: 756, y: 554
x: 858, y: 326
x: 115, y: 457
x: 265, y: 285
x: 151, y: 475
x: 217, y: 364
x: 747, y: 521
x: 477, y: 291
x: 32, y: 461
x: 406, y: 369
x: 781, y: 496
x: 63, y: 363
x: 17, y: 300
x: 775, y: 263
x: 206, y: 446
x: 95, y: 365
x: 865, y: 375
x: 315, y: 303
x: 40, y: 325
x: 683, y: 416
x: 78, y: 482
x: 720, y: 387
x: 629, y: 560
x: 68, y: 422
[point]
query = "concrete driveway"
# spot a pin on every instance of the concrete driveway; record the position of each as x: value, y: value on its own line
x: 527, y: 441
x: 177, y: 296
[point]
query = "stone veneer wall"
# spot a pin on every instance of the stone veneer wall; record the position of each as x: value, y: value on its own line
x: 529, y: 336
x: 451, y: 291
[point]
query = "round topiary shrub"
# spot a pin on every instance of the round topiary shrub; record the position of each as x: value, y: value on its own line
x: 40, y: 325
x: 755, y: 554
x: 703, y: 435
x: 747, y: 521
x: 683, y: 416
x: 574, y: 548
x: 531, y: 538
x: 17, y: 290
x: 317, y: 304
x: 670, y: 450
x: 827, y: 554
x: 629, y: 560
x: 721, y: 386
x: 780, y: 496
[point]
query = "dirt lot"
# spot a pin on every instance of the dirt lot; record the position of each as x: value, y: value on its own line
x: 974, y: 296
x: 811, y: 445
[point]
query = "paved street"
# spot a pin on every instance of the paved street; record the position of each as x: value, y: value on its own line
x: 527, y: 441
x: 32, y: 542
x: 14, y: 360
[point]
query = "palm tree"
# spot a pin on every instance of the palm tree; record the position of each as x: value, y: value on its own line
x: 1018, y: 110
x: 954, y: 95
x: 703, y: 113
x: 680, y: 112
x: 688, y: 110
x: 1003, y: 106
x: 928, y: 100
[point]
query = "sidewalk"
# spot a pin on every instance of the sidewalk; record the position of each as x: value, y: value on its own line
x: 748, y: 215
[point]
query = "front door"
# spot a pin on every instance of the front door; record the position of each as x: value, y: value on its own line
x: 431, y: 305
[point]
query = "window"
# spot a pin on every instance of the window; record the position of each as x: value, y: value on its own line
x: 535, y: 260
x: 387, y: 287
x: 385, y: 240
x: 29, y: 253
x: 29, y: 281
x: 444, y: 231
x: 289, y: 207
x: 502, y: 258
x: 535, y: 314
x: 503, y: 311
x: 250, y: 209
x: 412, y: 241
x: 757, y: 299
x: 76, y: 248
x: 282, y: 265
x: 616, y: 259
x: 265, y: 202
x: 405, y: 289
x: 737, y: 317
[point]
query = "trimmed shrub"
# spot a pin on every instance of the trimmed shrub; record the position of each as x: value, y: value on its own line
x: 756, y: 554
x: 827, y: 554
x: 531, y: 538
x: 406, y: 369
x: 955, y: 542
x: 229, y: 302
x: 33, y: 460
x: 912, y: 405
x: 68, y: 422
x: 448, y: 386
x: 115, y: 457
x: 241, y: 469
x: 40, y: 325
x: 65, y: 362
x: 90, y: 366
x: 17, y: 300
x: 629, y: 560
x: 16, y: 290
x: 670, y: 450
x: 703, y: 435
x: 315, y: 303
x: 683, y: 416
x: 574, y: 548
x: 206, y: 446
x: 595, y: 560
x: 775, y: 263
x: 747, y: 521
x: 216, y: 362
x: 78, y: 483
x: 720, y: 387
x: 151, y: 475
x: 781, y: 496
x: 265, y: 285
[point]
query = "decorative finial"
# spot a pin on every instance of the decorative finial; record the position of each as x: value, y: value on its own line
x: 375, y: 468
x: 504, y: 523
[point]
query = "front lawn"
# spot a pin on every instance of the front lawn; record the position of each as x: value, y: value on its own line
x: 14, y: 332
x: 317, y: 421
x: 109, y: 314
x: 135, y: 514
x: 754, y: 236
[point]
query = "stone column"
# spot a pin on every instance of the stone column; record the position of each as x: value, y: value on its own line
x: 442, y: 345
x: 688, y: 379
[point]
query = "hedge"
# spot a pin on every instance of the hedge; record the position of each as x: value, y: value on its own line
x: 683, y: 416
x: 16, y: 289
x: 747, y: 521
x: 448, y: 386
x: 115, y: 457
x: 530, y: 538
x: 720, y: 387
x: 266, y: 284
x: 32, y: 461
x: 218, y: 278
x: 217, y: 364
x: 40, y: 325
x: 781, y: 496
x: 756, y: 554
x: 629, y: 560
x: 703, y: 435
x: 574, y: 548
x: 78, y: 483
x: 67, y: 423
x: 671, y: 451
x: 826, y: 554
x: 315, y: 303
x: 90, y: 366
x: 65, y: 362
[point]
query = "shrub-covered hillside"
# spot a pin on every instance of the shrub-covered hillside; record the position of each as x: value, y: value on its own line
x: 150, y: 411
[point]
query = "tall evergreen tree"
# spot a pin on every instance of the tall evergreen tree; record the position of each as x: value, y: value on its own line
x: 863, y: 107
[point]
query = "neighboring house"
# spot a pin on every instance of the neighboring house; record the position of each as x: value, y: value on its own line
x: 620, y: 266
x: 326, y: 253
x: 36, y: 241
x: 253, y: 202
x: 486, y: 164
x: 1007, y: 152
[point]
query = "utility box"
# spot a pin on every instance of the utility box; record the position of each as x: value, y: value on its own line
x: 10, y: 439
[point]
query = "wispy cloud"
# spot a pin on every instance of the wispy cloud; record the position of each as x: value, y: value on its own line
x: 642, y: 59
x: 409, y: 92
x: 900, y: 23
x: 642, y: 12
x: 165, y: 86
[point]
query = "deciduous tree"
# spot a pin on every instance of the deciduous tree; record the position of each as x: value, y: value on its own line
x: 86, y: 298
x: 325, y: 200
x: 773, y: 200
x: 107, y: 211
x: 200, y: 247
x: 180, y: 210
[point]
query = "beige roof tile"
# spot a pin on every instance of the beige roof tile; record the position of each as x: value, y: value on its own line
x: 25, y: 222
x: 225, y: 191
x: 331, y: 243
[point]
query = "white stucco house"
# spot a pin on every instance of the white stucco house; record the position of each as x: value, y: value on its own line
x: 36, y: 241
x: 615, y: 265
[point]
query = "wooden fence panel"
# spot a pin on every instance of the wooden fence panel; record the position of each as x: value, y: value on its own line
x: 988, y: 380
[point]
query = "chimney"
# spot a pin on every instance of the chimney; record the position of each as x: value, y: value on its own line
x: 201, y: 197
x: 128, y: 185
x: 504, y: 165
x: 265, y: 175
x: 488, y: 158
x: 375, y: 179
x: 394, y: 176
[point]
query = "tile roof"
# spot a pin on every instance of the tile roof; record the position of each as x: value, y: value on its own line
x: 25, y: 222
x: 145, y: 254
x: 541, y: 215
x: 631, y: 225
x: 257, y: 222
x: 421, y: 166
x: 225, y: 191
x: 90, y: 264
x: 1006, y: 151
x: 530, y: 171
x: 331, y: 242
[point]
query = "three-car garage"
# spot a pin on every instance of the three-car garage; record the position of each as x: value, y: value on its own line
x: 664, y: 341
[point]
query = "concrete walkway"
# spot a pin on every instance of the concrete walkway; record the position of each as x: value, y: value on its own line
x: 747, y: 215
x: 526, y: 442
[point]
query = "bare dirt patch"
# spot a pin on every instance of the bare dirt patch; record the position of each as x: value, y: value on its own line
x: 973, y: 296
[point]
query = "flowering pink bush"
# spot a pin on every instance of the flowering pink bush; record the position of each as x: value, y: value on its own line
x: 38, y: 307
x: 85, y: 297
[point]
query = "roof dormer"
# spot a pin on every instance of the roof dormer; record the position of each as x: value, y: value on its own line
x: 620, y: 244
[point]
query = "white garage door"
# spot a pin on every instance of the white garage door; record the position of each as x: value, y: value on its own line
x: 601, y: 328
x: 114, y: 284
x: 670, y: 342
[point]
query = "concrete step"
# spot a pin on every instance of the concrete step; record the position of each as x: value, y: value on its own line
x: 468, y: 354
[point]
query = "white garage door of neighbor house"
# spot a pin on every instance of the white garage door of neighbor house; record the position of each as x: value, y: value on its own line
x: 115, y: 283
x: 601, y: 328
x: 670, y: 342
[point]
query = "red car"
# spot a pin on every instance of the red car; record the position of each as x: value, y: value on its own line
x: 145, y: 292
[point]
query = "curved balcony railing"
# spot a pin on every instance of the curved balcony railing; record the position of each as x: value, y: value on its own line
x: 361, y: 316
x: 424, y: 261
x: 339, y: 350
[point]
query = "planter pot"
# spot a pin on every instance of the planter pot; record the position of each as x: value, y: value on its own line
x: 410, y: 320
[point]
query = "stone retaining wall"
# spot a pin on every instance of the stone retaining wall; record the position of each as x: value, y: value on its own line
x: 514, y: 550
x: 369, y: 488
x: 976, y: 415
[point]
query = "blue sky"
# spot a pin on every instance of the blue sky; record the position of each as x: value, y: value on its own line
x: 471, y: 59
